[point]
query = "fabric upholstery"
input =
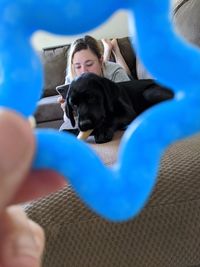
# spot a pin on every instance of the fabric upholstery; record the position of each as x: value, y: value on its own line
x: 128, y: 54
x: 186, y: 19
x: 164, y: 234
x: 48, y: 109
x: 54, y: 61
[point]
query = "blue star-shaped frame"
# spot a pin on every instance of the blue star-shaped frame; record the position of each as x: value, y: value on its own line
x: 120, y: 192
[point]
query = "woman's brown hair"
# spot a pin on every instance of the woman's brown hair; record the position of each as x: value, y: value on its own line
x: 87, y: 42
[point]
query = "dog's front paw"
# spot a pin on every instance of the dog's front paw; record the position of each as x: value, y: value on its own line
x: 104, y: 136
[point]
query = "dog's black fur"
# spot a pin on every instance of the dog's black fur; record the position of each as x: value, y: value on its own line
x: 105, y: 106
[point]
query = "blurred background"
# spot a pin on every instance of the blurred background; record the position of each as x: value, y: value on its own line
x: 43, y: 39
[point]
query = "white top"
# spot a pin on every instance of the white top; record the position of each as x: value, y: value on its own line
x: 114, y: 72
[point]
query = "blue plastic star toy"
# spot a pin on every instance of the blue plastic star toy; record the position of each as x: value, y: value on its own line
x: 120, y: 192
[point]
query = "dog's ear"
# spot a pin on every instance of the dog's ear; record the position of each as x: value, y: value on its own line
x: 110, y: 92
x: 156, y: 94
x: 69, y: 110
x: 114, y: 99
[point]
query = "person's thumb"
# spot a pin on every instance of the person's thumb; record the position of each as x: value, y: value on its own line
x: 16, y: 153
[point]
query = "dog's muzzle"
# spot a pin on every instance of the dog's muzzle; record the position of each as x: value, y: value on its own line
x: 85, y: 125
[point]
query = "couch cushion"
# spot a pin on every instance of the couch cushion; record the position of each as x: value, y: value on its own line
x: 128, y: 53
x: 48, y: 109
x: 186, y: 19
x: 55, y: 62
x: 108, y: 151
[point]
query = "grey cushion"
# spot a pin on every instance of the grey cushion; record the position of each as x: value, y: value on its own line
x: 48, y: 109
x: 54, y: 62
x: 187, y: 20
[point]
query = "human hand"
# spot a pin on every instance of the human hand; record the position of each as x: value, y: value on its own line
x: 21, y: 240
x: 61, y: 100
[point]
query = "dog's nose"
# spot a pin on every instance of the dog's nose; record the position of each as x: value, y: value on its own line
x: 85, y: 125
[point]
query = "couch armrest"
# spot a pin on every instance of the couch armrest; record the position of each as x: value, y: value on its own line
x: 48, y: 109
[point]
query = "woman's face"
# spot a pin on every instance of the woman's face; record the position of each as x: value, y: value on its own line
x: 86, y: 61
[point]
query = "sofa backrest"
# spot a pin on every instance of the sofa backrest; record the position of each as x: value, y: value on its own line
x: 54, y: 60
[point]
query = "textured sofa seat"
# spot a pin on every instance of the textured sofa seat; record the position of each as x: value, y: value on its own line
x: 48, y: 112
x: 165, y: 234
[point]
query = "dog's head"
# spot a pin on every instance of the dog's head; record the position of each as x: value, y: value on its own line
x: 90, y: 97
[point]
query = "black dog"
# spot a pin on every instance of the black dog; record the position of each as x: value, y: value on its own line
x: 105, y: 106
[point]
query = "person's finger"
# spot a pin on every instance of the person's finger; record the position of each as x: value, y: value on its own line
x: 63, y: 104
x: 38, y: 184
x: 16, y: 153
x: 22, y: 240
x: 60, y: 99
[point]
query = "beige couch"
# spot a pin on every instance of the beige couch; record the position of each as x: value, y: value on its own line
x: 165, y: 234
